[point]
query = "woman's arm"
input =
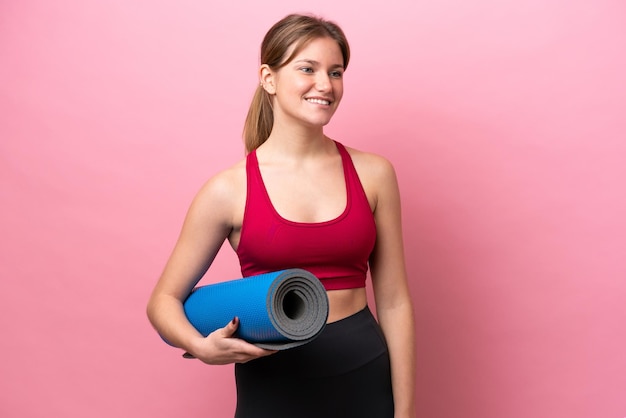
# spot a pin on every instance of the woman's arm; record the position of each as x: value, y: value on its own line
x: 208, y: 223
x: 393, y: 300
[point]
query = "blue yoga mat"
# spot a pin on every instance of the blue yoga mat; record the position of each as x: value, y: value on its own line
x: 276, y: 311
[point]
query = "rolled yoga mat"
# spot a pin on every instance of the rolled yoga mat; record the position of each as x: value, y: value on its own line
x: 276, y: 311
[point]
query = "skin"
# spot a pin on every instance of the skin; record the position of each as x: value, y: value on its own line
x: 303, y: 174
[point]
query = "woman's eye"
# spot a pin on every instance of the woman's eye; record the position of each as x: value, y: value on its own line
x: 336, y: 74
x: 306, y: 69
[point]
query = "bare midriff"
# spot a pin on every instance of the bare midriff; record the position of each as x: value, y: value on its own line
x: 345, y: 302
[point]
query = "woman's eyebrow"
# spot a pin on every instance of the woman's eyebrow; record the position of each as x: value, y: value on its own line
x: 316, y: 63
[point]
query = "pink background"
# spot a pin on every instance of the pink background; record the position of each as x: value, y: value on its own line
x: 506, y: 122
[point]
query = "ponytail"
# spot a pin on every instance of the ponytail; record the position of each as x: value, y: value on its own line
x: 260, y: 119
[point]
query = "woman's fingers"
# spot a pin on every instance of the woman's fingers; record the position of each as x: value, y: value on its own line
x: 230, y: 328
x: 221, y: 347
x: 244, y: 351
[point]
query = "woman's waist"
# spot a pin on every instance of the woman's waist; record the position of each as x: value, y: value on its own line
x: 345, y: 302
x: 342, y: 346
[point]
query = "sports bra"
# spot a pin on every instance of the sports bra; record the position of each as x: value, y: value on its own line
x: 335, y: 251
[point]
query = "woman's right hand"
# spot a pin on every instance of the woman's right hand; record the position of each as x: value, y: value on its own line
x: 220, y: 347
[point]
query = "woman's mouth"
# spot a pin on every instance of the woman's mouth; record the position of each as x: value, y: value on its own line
x: 318, y: 101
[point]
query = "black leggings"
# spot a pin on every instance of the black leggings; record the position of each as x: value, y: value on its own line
x: 342, y: 373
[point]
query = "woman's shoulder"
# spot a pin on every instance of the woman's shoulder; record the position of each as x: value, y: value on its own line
x: 226, y: 187
x: 369, y: 164
x: 376, y: 174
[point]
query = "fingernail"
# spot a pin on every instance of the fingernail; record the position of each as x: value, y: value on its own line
x: 234, y: 321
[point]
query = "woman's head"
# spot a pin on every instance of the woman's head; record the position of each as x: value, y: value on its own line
x: 280, y: 45
x: 287, y: 37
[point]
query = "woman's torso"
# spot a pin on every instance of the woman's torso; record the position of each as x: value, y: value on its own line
x: 295, y: 193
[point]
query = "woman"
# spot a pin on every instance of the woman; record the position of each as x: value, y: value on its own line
x: 300, y: 199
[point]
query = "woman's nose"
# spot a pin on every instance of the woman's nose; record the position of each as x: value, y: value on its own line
x: 322, y: 82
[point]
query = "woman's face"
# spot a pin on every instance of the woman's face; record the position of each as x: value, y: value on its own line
x: 307, y: 90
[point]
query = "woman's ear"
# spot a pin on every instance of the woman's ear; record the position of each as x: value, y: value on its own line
x: 267, y: 78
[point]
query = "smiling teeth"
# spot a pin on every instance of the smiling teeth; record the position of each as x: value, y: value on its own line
x: 318, y: 101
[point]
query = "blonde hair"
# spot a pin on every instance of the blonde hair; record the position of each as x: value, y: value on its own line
x: 297, y: 30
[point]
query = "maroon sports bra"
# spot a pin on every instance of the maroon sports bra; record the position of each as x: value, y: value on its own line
x: 335, y: 251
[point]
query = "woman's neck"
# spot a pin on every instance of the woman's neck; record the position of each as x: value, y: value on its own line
x: 298, y: 141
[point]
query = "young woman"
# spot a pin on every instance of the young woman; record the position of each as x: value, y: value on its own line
x: 301, y: 199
